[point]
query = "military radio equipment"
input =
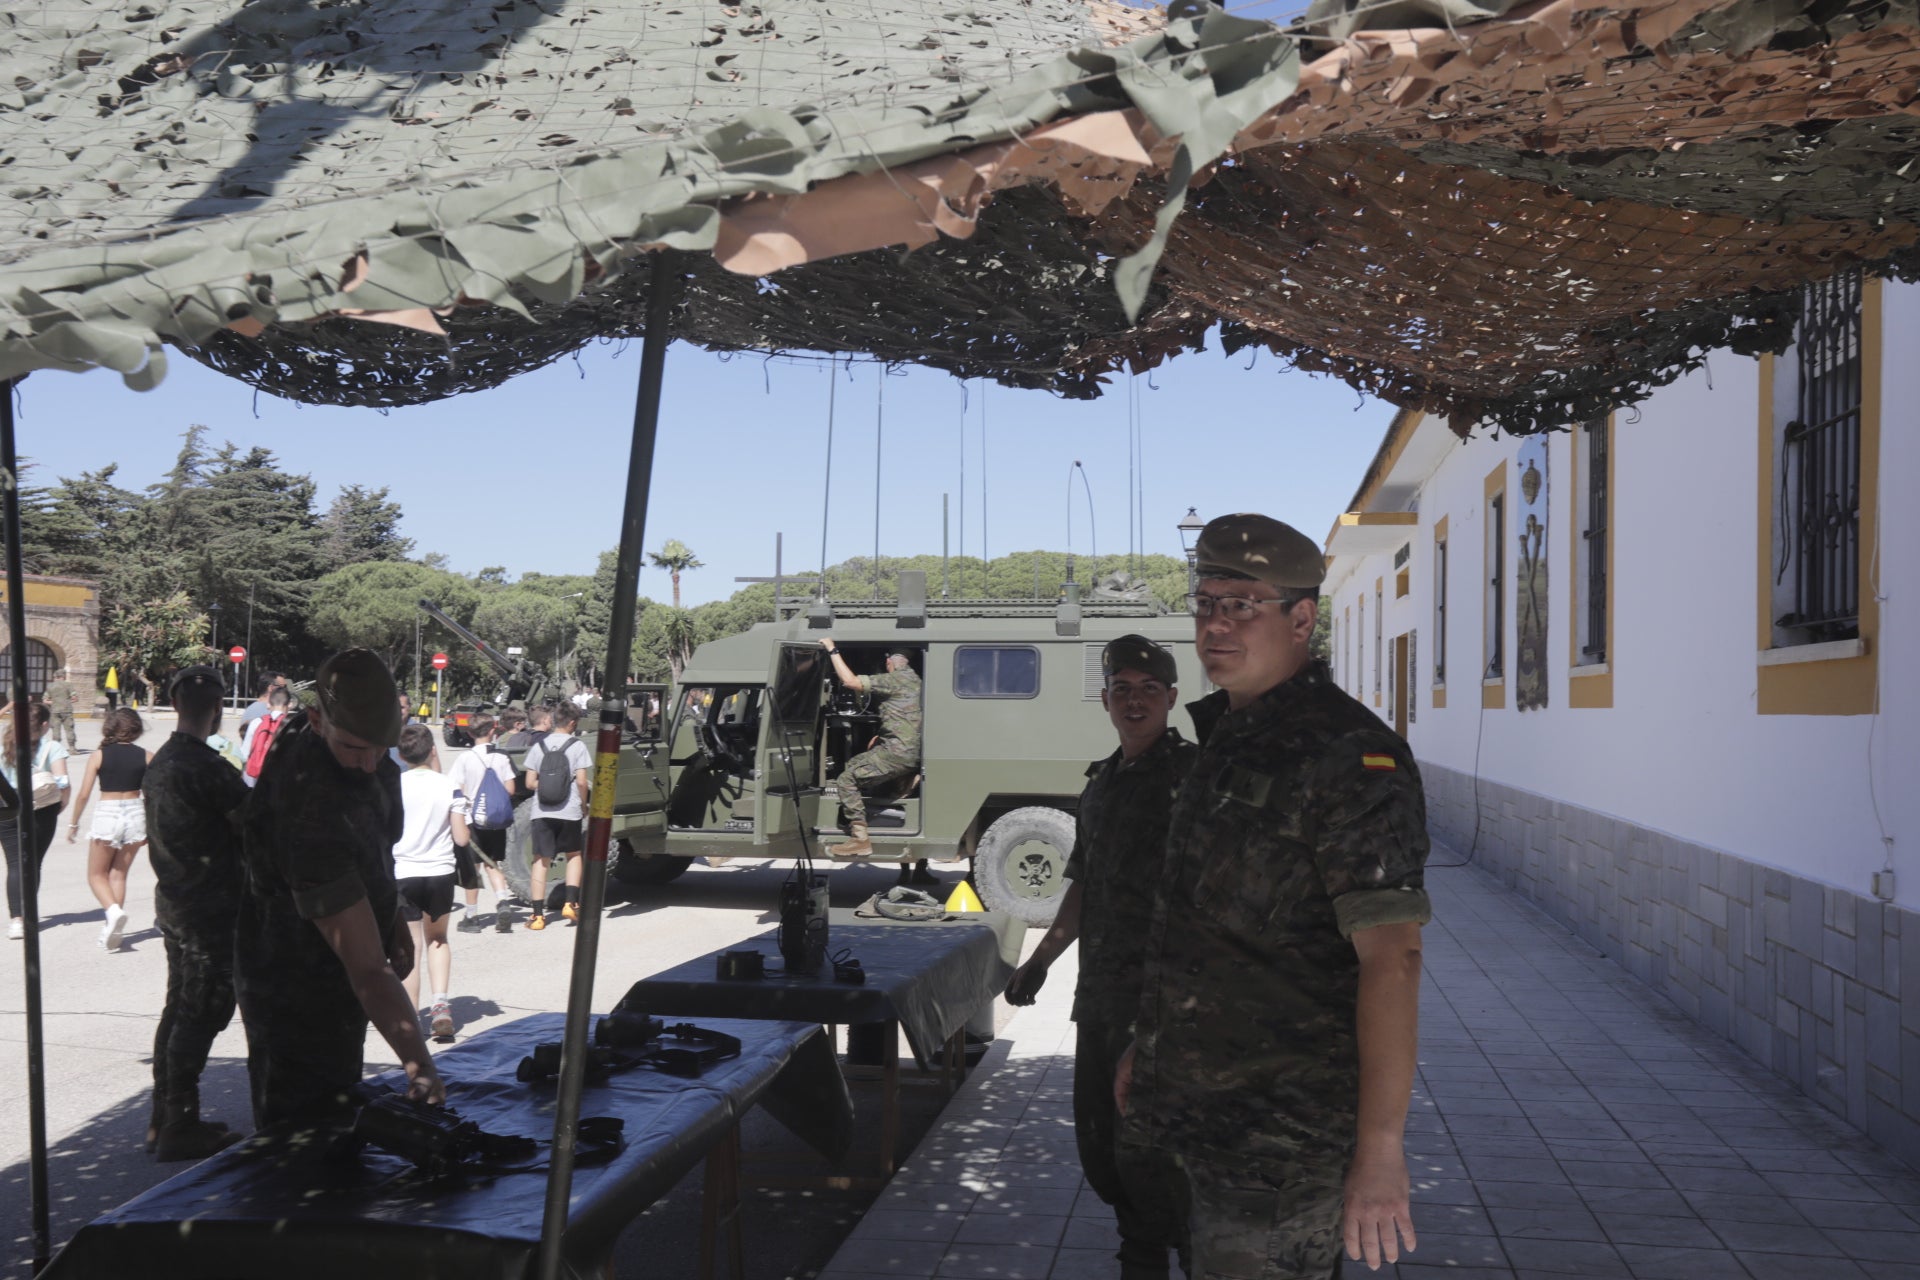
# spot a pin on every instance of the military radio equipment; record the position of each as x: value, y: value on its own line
x: 803, y: 921
x: 624, y: 1040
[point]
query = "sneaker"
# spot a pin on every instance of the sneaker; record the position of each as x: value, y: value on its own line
x: 441, y: 1020
x: 469, y: 923
x: 538, y: 922
x: 16, y: 930
x: 571, y: 911
x: 191, y: 1140
x: 502, y: 922
x: 115, y: 929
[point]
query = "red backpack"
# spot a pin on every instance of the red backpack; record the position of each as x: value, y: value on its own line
x: 263, y: 735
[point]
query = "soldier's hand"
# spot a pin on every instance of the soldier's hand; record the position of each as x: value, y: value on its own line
x: 426, y: 1086
x: 1025, y: 983
x: 1377, y: 1220
x: 1123, y: 1078
x: 826, y: 642
x: 400, y: 948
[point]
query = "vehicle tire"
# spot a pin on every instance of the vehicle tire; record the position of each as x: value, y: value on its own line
x: 454, y: 736
x: 633, y: 870
x: 1020, y: 867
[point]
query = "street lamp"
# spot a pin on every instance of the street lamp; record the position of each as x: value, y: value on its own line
x: 1190, y: 528
x: 560, y: 645
x: 213, y: 615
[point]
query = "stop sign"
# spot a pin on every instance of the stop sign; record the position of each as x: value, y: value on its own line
x: 236, y: 655
x: 439, y: 662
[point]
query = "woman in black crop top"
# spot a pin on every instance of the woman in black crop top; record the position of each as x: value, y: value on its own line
x: 119, y: 820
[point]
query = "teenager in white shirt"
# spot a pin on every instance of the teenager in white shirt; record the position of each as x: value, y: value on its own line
x: 486, y: 846
x: 423, y: 868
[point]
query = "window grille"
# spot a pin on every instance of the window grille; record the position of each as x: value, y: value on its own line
x: 1599, y: 514
x: 1440, y: 611
x: 1820, y: 466
x: 1497, y: 586
x: 40, y: 666
x: 1379, y: 631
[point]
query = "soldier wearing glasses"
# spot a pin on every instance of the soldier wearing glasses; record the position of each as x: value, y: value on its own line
x: 1276, y: 1034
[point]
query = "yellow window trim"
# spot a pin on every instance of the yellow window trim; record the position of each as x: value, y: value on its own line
x: 1439, y: 697
x: 1592, y: 685
x: 1836, y: 686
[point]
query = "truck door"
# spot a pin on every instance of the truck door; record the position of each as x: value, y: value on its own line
x: 790, y: 764
x: 642, y: 787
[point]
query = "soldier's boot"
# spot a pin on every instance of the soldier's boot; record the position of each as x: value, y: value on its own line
x: 858, y: 847
x: 183, y: 1135
x: 1140, y: 1261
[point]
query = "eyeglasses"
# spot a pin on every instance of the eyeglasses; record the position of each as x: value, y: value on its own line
x: 1235, y: 608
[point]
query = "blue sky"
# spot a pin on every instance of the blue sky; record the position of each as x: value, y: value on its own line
x: 531, y: 475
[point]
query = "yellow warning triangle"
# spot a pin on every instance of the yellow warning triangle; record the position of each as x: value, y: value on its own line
x: 963, y: 898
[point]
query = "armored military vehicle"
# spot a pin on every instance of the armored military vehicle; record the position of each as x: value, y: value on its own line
x: 759, y: 729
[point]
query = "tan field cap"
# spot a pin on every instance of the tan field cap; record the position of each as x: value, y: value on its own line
x: 1137, y: 653
x: 1261, y: 548
x: 357, y: 694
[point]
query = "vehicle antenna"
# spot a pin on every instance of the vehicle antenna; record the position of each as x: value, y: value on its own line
x: 1132, y: 426
x: 983, y: 471
x: 1070, y: 471
x: 879, y: 433
x: 963, y: 468
x: 1093, y: 526
x: 826, y: 485
x: 943, y: 546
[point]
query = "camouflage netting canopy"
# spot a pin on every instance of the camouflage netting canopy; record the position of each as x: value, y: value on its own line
x: 1525, y: 213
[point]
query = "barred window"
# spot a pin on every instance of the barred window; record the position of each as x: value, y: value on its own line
x: 1440, y: 611
x: 1819, y: 497
x: 1596, y: 510
x: 1379, y: 628
x: 1496, y: 653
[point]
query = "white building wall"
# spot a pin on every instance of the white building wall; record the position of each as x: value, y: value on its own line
x: 1683, y: 750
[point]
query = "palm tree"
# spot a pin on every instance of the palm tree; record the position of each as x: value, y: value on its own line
x: 675, y: 558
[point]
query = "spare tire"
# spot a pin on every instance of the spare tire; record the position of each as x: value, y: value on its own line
x: 658, y: 868
x: 1020, y: 867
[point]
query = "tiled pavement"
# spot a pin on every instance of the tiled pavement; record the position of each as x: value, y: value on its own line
x: 1567, y: 1121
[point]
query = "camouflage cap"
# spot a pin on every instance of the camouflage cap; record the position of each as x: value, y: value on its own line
x: 1262, y: 549
x: 1137, y: 653
x: 357, y: 694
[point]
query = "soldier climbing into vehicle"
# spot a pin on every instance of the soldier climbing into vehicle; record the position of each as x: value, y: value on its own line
x: 894, y: 753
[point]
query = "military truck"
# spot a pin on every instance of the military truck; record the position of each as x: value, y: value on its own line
x: 759, y: 729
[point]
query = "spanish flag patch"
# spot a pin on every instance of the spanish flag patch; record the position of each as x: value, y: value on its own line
x: 1378, y: 763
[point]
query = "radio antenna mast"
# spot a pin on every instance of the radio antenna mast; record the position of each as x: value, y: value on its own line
x: 826, y: 485
x: 879, y: 431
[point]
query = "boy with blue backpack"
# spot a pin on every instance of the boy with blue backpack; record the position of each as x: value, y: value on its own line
x: 483, y: 779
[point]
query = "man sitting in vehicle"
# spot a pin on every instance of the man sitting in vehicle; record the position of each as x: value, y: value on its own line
x: 895, y: 752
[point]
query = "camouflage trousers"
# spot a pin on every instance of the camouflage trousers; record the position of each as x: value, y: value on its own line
x: 1249, y: 1227
x: 61, y: 730
x: 199, y: 1005
x: 306, y: 1041
x: 869, y: 769
x: 1146, y: 1186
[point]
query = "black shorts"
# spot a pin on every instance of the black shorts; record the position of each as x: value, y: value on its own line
x: 429, y: 896
x: 556, y: 837
x: 489, y: 845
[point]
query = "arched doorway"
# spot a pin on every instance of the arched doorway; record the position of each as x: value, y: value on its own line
x: 42, y: 663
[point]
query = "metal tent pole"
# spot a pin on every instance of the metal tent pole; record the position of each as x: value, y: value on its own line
x: 663, y: 291
x: 29, y: 864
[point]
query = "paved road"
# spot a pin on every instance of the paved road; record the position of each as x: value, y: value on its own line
x: 102, y: 1007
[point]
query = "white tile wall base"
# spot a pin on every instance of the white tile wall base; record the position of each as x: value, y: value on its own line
x: 1808, y: 978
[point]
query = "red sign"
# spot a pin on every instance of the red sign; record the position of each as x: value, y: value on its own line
x: 236, y: 655
x: 439, y: 662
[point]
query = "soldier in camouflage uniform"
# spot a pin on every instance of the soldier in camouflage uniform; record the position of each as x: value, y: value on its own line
x: 320, y: 922
x: 1276, y: 1036
x: 193, y: 798
x: 895, y: 754
x: 59, y: 697
x: 1120, y: 831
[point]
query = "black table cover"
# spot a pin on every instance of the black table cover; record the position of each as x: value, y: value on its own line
x: 280, y: 1206
x: 930, y: 977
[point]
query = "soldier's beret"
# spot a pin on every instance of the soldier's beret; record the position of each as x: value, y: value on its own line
x: 1137, y: 653
x: 194, y: 675
x: 357, y: 693
x: 1259, y: 548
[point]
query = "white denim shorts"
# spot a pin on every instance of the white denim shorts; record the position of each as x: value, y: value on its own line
x: 120, y: 822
